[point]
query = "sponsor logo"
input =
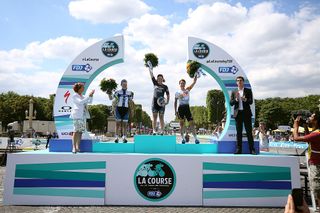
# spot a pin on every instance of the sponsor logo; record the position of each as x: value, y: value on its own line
x: 200, y: 50
x: 65, y: 109
x: 232, y: 69
x: 222, y: 61
x: 110, y: 48
x: 154, y: 179
x: 66, y: 96
x: 81, y: 67
x: 90, y: 59
x: 66, y: 133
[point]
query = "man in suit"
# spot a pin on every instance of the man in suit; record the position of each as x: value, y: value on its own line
x: 241, y: 99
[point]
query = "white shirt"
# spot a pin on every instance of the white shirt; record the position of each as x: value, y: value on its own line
x: 123, y: 97
x: 80, y: 107
x: 183, y: 96
x: 240, y: 99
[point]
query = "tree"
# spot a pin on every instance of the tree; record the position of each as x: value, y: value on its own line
x: 215, y: 105
x: 146, y: 120
x: 200, y: 116
x: 267, y: 109
x: 99, y: 115
x: 274, y: 115
x: 137, y: 114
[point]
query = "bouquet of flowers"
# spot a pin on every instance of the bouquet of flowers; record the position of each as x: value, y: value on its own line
x: 151, y: 58
x: 108, y: 85
x: 192, y: 68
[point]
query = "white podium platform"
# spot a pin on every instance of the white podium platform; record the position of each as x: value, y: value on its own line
x: 43, y: 178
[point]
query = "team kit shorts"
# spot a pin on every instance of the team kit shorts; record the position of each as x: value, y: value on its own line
x: 122, y: 114
x: 157, y: 109
x: 184, y: 112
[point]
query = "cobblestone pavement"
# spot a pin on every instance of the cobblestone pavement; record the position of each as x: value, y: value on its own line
x: 104, y: 209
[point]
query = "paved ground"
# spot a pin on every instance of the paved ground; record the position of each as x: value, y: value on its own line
x: 104, y: 209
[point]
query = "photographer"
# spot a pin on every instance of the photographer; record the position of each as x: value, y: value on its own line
x: 313, y: 140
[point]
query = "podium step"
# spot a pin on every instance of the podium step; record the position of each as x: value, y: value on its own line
x: 155, y: 144
x: 107, y: 147
x: 197, y: 148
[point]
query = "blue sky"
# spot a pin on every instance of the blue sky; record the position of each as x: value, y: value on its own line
x: 25, y: 21
x: 276, y: 42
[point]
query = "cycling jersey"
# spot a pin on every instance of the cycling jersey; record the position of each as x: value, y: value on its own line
x: 123, y: 97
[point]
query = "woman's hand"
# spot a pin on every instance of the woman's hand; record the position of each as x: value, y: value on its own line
x: 91, y: 93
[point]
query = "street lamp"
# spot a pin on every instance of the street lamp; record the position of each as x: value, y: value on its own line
x: 30, y: 115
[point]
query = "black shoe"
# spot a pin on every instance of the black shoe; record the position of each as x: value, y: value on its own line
x: 238, y: 151
x: 116, y: 140
x: 125, y: 140
x: 253, y: 152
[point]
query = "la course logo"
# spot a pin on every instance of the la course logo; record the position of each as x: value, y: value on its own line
x: 154, y: 179
x: 110, y: 48
x: 200, y: 50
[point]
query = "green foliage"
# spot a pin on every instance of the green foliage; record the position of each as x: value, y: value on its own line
x: 277, y: 111
x: 146, y: 120
x: 200, y: 116
x: 108, y: 85
x: 192, y: 68
x: 140, y: 116
x: 13, y: 107
x: 152, y: 58
x: 99, y: 115
x: 215, y: 106
x: 273, y: 114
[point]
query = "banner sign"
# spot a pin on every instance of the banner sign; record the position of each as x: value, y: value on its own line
x: 224, y: 69
x: 84, y: 68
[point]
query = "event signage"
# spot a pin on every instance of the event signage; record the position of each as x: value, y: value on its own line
x: 217, y: 63
x: 154, y: 179
x: 84, y: 68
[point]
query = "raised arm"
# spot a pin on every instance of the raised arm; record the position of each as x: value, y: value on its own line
x: 151, y: 73
x: 193, y: 83
x: 77, y: 100
x: 296, y: 136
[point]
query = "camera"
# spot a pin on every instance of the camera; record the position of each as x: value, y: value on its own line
x: 305, y: 114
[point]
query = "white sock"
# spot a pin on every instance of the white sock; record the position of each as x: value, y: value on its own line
x: 195, y: 136
x: 117, y: 137
x: 124, y: 137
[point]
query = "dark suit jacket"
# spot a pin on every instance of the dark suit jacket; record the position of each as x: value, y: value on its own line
x: 246, y: 105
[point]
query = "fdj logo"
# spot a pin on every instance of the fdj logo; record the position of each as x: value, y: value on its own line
x: 81, y: 67
x: 110, y: 48
x: 154, y: 179
x: 232, y: 69
x: 200, y: 50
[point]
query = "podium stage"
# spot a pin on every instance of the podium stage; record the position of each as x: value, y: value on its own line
x: 152, y: 179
